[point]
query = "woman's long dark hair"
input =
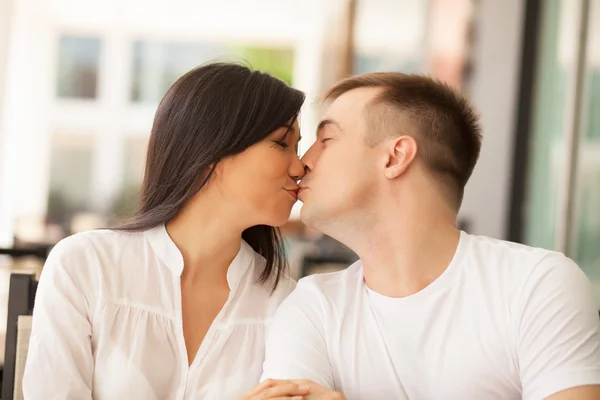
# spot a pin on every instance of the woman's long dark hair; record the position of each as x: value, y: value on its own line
x: 214, y: 111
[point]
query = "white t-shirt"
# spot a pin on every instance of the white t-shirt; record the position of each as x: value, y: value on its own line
x: 504, y: 321
x: 107, y: 323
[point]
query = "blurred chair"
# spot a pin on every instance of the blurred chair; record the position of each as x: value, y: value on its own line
x: 20, y: 303
x: 40, y: 252
x: 326, y: 255
x: 23, y: 334
x: 319, y: 264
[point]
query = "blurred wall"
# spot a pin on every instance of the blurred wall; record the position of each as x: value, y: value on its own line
x: 494, y: 89
x: 82, y: 140
x: 5, y: 12
x: 34, y: 113
x: 24, y: 156
x: 5, y: 15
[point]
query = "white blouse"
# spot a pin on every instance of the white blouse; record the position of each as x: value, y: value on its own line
x: 107, y: 323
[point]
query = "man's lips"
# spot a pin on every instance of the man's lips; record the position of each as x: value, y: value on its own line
x: 302, y: 189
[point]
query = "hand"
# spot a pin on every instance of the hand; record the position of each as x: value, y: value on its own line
x: 318, y: 392
x: 272, y: 389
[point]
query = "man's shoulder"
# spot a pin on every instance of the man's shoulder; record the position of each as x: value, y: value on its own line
x: 513, y: 267
x: 507, y: 247
x: 332, y: 283
x: 327, y: 290
x: 519, y: 258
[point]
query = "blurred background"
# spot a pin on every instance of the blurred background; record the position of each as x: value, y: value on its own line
x: 80, y: 81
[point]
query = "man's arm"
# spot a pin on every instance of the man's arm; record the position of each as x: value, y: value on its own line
x: 558, y: 333
x: 591, y: 392
x: 295, y: 346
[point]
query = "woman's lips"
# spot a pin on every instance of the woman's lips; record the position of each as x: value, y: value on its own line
x: 293, y: 193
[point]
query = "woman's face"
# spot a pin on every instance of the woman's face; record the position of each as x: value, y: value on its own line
x: 263, y: 178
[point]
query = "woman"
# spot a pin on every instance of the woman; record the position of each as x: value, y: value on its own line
x: 173, y: 305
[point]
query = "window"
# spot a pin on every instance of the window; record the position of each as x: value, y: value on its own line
x: 70, y: 177
x: 546, y: 161
x: 548, y: 222
x: 389, y: 35
x: 78, y: 61
x: 157, y: 65
x: 126, y: 200
x: 586, y: 220
x: 364, y: 63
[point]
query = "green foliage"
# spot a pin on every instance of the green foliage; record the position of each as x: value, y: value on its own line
x: 278, y: 62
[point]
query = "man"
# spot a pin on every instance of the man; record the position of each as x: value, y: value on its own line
x: 428, y: 312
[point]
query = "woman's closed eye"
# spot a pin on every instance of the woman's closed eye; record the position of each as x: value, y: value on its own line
x: 282, y: 143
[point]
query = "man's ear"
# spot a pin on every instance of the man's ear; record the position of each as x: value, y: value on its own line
x: 401, y: 152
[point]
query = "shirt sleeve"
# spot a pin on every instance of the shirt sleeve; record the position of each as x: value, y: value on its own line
x: 558, y: 331
x: 295, y: 346
x: 59, y: 360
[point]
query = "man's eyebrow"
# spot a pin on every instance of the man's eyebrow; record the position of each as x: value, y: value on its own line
x: 326, y: 122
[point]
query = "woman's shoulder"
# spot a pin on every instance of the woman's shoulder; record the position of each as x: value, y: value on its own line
x: 266, y: 296
x: 90, y: 247
x: 71, y: 265
x: 274, y: 286
x: 94, y: 239
x: 94, y: 258
x: 285, y: 285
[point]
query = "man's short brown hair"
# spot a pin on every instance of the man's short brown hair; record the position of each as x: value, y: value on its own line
x: 442, y: 122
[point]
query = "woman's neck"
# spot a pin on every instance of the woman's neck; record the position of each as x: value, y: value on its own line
x: 208, y: 236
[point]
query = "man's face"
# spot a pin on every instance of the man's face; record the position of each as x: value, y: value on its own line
x: 342, y: 170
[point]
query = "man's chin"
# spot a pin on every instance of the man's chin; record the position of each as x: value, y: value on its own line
x: 305, y: 215
x: 309, y: 217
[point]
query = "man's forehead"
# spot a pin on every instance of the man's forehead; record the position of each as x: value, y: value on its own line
x: 352, y: 102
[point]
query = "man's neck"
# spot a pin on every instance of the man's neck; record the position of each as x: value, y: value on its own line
x: 405, y: 250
